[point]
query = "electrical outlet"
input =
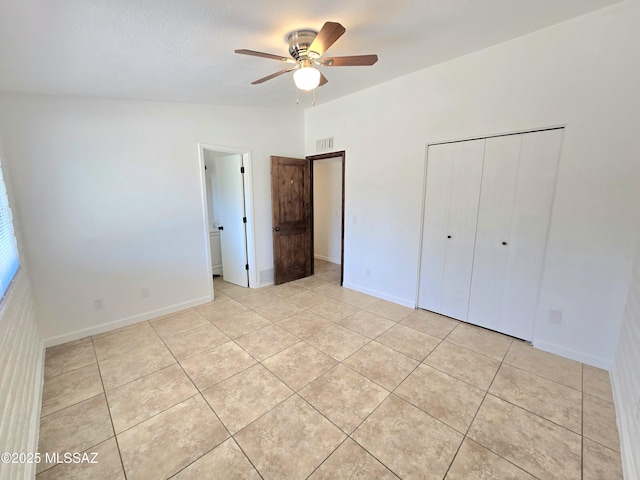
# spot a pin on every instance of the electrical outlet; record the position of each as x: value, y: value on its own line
x: 98, y: 304
x: 144, y: 292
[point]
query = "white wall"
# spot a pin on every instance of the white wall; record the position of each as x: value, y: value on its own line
x: 327, y: 209
x: 110, y: 198
x: 21, y: 361
x: 584, y: 74
x: 626, y: 378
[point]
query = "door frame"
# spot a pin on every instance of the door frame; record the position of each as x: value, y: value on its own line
x: 248, y: 205
x: 325, y: 156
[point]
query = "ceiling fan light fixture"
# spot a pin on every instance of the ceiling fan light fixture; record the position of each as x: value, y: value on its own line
x: 306, y: 78
x: 307, y: 48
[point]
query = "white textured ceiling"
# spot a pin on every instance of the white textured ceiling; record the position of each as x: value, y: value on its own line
x: 182, y: 50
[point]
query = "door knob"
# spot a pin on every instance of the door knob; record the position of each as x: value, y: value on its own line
x: 277, y: 229
x: 504, y: 243
x: 448, y: 236
x: 220, y: 228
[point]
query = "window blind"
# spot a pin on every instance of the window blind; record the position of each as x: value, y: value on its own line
x: 9, y: 262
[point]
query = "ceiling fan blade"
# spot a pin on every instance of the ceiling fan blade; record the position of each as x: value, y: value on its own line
x: 327, y: 36
x: 273, y: 75
x: 253, y: 53
x: 323, y: 80
x: 351, y: 61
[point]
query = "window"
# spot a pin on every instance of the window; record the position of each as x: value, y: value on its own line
x: 9, y: 262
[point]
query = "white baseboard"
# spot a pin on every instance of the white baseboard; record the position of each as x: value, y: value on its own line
x: 327, y: 259
x: 34, y: 427
x: 105, y: 327
x: 374, y: 293
x: 573, y: 354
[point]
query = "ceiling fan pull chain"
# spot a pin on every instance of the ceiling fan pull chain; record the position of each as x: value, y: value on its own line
x: 313, y: 102
x: 297, y: 96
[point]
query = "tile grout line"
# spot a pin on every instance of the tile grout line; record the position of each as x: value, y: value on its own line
x: 294, y: 391
x: 332, y: 368
x: 297, y: 392
x: 106, y: 401
x: 466, y: 434
x: 540, y: 376
x: 199, y: 393
x: 159, y: 412
x: 229, y: 437
x: 421, y: 362
x: 197, y: 389
x: 517, y: 406
x: 390, y: 392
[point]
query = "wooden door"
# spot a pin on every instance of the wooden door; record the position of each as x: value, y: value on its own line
x: 454, y: 173
x: 291, y: 207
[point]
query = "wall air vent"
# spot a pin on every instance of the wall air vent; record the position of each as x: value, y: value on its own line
x: 324, y: 144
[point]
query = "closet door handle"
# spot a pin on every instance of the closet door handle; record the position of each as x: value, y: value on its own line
x: 448, y: 236
x: 504, y: 243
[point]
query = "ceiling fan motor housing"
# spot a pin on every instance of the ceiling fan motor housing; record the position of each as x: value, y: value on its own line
x: 299, y: 43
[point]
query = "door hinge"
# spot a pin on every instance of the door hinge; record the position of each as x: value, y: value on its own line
x: 241, y: 169
x: 244, y: 219
x: 246, y: 267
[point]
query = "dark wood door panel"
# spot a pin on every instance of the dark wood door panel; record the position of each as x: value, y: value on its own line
x: 293, y: 248
x: 291, y: 190
x: 291, y: 206
x: 293, y: 259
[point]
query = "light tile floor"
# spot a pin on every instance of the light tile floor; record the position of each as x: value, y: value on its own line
x: 312, y: 380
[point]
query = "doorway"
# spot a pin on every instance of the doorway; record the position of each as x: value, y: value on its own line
x: 292, y: 200
x: 327, y: 208
x: 227, y: 201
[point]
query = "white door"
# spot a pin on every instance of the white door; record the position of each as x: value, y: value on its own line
x: 493, y: 234
x: 513, y: 221
x: 451, y: 207
x: 230, y: 197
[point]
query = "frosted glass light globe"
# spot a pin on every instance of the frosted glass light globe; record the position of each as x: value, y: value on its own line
x: 306, y: 78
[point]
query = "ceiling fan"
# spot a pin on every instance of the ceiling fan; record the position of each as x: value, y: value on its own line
x: 306, y: 48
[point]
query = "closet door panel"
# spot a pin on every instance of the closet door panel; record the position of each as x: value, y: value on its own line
x: 461, y: 228
x: 493, y: 240
x: 436, y: 215
x: 531, y: 215
x: 451, y: 207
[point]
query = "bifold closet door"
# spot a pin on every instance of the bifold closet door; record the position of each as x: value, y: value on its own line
x: 518, y: 183
x: 454, y: 172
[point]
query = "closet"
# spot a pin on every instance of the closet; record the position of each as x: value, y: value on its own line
x: 486, y: 219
